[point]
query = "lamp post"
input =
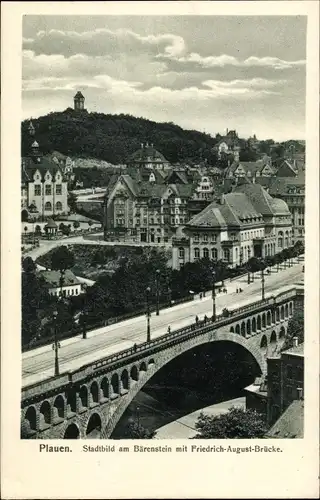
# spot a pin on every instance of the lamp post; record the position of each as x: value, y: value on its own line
x: 213, y: 296
x: 148, y: 313
x: 157, y: 291
x: 262, y: 283
x: 55, y: 345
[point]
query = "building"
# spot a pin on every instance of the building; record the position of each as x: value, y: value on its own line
x: 144, y: 210
x: 78, y: 101
x: 228, y: 144
x: 43, y: 185
x: 245, y: 223
x: 250, y: 169
x: 147, y: 156
x: 51, y: 281
x: 292, y: 191
x: 65, y: 163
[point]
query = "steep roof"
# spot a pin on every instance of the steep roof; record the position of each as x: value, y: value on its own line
x: 79, y: 95
x: 241, y: 206
x: 290, y: 424
x: 30, y: 165
x: 258, y: 196
x: 52, y: 278
x: 147, y: 154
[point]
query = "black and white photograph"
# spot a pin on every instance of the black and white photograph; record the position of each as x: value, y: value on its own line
x: 163, y: 165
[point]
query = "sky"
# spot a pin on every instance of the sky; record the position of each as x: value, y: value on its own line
x: 207, y: 73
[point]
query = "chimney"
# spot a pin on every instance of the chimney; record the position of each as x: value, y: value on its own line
x: 295, y: 341
x: 300, y: 393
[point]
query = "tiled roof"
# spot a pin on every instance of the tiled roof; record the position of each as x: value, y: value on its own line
x: 241, y: 205
x: 295, y: 350
x: 290, y: 424
x: 79, y: 94
x: 258, y: 196
x: 30, y: 166
x: 281, y: 185
x: 147, y: 154
x: 52, y: 278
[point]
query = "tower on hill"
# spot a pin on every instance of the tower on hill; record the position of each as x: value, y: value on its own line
x: 78, y: 101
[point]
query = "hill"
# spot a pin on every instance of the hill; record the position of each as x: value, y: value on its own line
x: 113, y: 138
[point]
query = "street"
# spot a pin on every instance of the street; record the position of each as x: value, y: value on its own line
x: 38, y: 364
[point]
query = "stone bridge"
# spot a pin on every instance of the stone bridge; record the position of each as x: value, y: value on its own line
x: 88, y: 402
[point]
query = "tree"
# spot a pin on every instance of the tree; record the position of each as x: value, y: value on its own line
x: 61, y: 227
x: 76, y: 224
x: 72, y: 201
x: 62, y: 258
x: 137, y: 431
x: 38, y: 229
x: 66, y: 230
x: 237, y: 423
x: 28, y: 265
x: 295, y: 329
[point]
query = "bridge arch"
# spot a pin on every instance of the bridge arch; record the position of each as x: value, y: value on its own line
x: 169, y: 355
x: 83, y: 395
x: 58, y: 407
x: 72, y: 432
x: 282, y: 332
x: 258, y: 322
x: 237, y: 331
x: 254, y: 325
x: 125, y: 380
x: 264, y: 342
x: 134, y: 373
x: 30, y: 421
x: 94, y: 425
x: 94, y: 392
x: 105, y: 388
x: 273, y: 337
x: 45, y: 414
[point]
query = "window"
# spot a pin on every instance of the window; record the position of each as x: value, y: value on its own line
x: 205, y: 253
x: 214, y: 254
x: 48, y: 206
x: 205, y: 238
x: 59, y: 205
x: 280, y: 239
x: 58, y: 188
x: 48, y: 190
x: 196, y: 238
x: 181, y: 253
x: 226, y: 254
x: 37, y: 189
x: 197, y: 253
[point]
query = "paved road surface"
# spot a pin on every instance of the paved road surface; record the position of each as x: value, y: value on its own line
x: 38, y: 364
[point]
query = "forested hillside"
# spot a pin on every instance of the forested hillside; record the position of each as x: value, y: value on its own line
x: 114, y: 137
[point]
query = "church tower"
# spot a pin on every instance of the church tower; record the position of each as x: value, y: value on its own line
x: 78, y: 101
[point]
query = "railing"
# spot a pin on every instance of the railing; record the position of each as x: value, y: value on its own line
x: 182, y: 334
x: 77, y: 330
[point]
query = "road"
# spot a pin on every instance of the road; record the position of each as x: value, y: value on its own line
x: 38, y: 364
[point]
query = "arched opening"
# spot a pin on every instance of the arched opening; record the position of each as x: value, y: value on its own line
x: 254, y: 325
x: 268, y: 318
x: 243, y: 329
x: 105, y: 388
x: 72, y: 432
x: 134, y: 374
x: 282, y: 313
x: 273, y: 337
x: 94, y: 427
x: 278, y: 314
x: 290, y: 308
x: 83, y: 395
x: 273, y: 316
x: 94, y: 391
x: 45, y: 414
x: 213, y: 370
x: 72, y: 401
x: 286, y: 311
x: 125, y: 380
x: 24, y: 215
x: 31, y: 418
x: 232, y: 329
x: 115, y: 384
x: 263, y: 320
x: 58, y: 206
x: 259, y: 322
x: 248, y: 327
x: 282, y: 332
x: 58, y: 407
x: 238, y: 329
x: 48, y: 206
x: 143, y: 367
x: 151, y: 361
x: 264, y: 342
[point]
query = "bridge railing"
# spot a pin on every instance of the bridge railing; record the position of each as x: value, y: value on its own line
x: 196, y: 328
x: 193, y: 330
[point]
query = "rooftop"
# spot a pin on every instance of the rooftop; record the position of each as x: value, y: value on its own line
x: 295, y: 350
x: 52, y: 278
x: 290, y: 424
